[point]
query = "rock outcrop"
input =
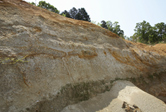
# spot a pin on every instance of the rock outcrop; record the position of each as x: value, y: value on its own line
x: 48, y: 61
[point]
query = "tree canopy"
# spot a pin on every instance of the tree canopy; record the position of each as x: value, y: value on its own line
x: 79, y: 14
x: 33, y: 3
x: 103, y: 24
x: 48, y: 6
x: 145, y: 33
x: 66, y: 13
x: 114, y: 27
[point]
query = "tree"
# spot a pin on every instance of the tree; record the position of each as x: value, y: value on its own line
x: 66, y: 14
x: 79, y: 14
x: 84, y: 14
x: 117, y: 30
x: 142, y: 30
x: 103, y: 24
x: 114, y: 27
x: 161, y: 31
x: 33, y: 3
x: 110, y: 25
x: 47, y: 6
x: 134, y: 37
x: 73, y: 12
x: 150, y: 34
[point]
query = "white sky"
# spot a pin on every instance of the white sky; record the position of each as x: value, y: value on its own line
x: 126, y: 12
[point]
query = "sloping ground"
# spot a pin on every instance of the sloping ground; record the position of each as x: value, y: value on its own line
x: 48, y: 61
x: 112, y: 101
x: 158, y: 48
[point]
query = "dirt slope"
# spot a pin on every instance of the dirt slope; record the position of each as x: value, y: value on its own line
x: 48, y: 61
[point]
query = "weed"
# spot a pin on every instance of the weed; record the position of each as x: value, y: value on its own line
x: 11, y: 60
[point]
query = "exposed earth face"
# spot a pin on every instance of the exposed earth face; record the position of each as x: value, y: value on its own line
x: 50, y: 63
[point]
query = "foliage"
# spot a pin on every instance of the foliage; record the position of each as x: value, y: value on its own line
x: 114, y: 27
x: 94, y: 22
x: 145, y: 33
x: 84, y: 14
x: 11, y: 60
x: 103, y: 24
x: 79, y: 14
x: 66, y: 13
x: 161, y: 31
x: 48, y: 6
x: 33, y: 3
x: 142, y: 31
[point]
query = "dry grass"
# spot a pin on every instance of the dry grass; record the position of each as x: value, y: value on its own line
x: 158, y: 48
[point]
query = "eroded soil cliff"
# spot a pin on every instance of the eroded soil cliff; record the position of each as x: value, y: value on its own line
x: 48, y: 61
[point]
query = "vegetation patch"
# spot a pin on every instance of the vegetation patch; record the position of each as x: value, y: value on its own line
x: 85, y: 90
x: 12, y: 60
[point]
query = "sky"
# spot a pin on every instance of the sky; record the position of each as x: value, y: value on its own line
x: 126, y: 12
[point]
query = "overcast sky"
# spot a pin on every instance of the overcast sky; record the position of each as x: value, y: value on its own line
x: 126, y: 12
